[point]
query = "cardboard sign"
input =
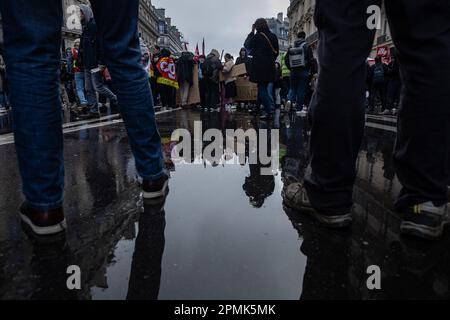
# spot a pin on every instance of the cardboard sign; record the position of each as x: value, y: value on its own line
x: 246, y: 90
x: 194, y: 91
x: 236, y: 71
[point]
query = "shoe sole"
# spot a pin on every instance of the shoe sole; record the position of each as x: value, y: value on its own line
x: 421, y: 231
x: 44, y: 231
x: 157, y: 194
x: 334, y: 222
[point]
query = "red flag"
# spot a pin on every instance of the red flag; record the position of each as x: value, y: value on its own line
x: 197, y: 54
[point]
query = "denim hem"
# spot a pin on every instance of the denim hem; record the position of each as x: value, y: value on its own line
x: 46, y: 207
x: 153, y: 177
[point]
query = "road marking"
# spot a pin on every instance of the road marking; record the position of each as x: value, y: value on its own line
x: 83, y: 125
x: 381, y: 126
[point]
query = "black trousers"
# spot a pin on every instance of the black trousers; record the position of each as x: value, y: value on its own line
x: 380, y: 91
x: 168, y: 96
x: 211, y: 93
x: 421, y: 33
x: 201, y: 84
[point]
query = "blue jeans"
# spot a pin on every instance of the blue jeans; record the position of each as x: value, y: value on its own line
x: 299, y: 84
x: 32, y: 38
x: 94, y: 83
x: 79, y: 83
x: 266, y: 97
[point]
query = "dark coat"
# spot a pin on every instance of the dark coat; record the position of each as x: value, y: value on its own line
x: 185, y: 66
x: 263, y: 61
x: 89, y: 47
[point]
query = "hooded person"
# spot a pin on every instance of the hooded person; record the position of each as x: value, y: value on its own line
x: 90, y: 51
x: 211, y: 70
x: 185, y: 75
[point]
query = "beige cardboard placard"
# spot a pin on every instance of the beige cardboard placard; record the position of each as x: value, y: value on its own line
x: 194, y: 92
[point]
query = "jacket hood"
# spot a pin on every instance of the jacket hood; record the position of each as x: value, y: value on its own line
x: 214, y: 53
x: 87, y: 11
x: 245, y: 50
x: 299, y: 42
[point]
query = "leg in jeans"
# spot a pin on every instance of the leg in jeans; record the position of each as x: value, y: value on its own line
x: 295, y: 84
x: 422, y: 152
x: 117, y: 26
x: 263, y: 95
x: 32, y: 34
x: 337, y: 108
x: 79, y: 83
x: 102, y: 89
x: 89, y: 87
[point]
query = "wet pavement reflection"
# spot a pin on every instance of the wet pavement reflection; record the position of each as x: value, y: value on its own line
x: 222, y: 233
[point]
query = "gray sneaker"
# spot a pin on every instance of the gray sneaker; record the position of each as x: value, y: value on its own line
x: 425, y: 221
x: 296, y: 197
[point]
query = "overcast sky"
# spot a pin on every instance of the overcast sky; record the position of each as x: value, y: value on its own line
x: 224, y: 24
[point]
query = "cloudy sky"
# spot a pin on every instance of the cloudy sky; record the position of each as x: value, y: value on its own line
x: 224, y: 24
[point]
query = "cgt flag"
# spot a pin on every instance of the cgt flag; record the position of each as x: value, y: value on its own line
x: 167, y: 73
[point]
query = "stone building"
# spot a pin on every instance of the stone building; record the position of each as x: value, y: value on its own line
x: 148, y: 22
x: 301, y: 17
x: 169, y: 35
x: 280, y: 27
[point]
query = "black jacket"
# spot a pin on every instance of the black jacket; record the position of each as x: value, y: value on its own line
x: 184, y: 67
x: 89, y: 47
x: 263, y: 61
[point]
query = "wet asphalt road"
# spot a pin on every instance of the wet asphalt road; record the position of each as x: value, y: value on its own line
x: 223, y: 232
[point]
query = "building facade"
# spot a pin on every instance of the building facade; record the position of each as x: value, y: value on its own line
x: 148, y: 22
x: 169, y: 36
x: 301, y: 18
x: 154, y: 26
x: 280, y: 27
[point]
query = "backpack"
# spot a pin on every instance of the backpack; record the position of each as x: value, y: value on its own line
x: 208, y: 69
x: 297, y: 56
x: 378, y: 74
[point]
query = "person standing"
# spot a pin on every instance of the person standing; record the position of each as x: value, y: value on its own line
x: 185, y: 67
x: 299, y: 60
x: 30, y: 27
x: 378, y: 77
x: 394, y: 85
x: 422, y: 151
x: 286, y: 75
x: 277, y: 86
x: 230, y: 82
x: 264, y: 47
x: 78, y: 72
x: 201, y: 81
x: 166, y: 79
x: 94, y: 67
x: 210, y: 69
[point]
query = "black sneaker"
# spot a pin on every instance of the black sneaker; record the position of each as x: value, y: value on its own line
x: 43, y: 223
x: 155, y: 189
x: 425, y: 221
x: 296, y: 197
